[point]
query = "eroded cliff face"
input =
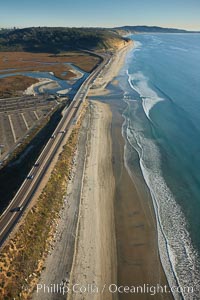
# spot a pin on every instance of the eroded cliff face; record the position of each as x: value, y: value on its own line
x: 116, y: 43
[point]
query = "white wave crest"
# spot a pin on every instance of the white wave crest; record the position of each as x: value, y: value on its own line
x: 178, y: 257
x: 130, y: 55
x: 139, y: 83
x: 178, y: 48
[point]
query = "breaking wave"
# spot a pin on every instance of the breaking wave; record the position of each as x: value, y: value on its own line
x: 139, y: 83
x: 178, y: 256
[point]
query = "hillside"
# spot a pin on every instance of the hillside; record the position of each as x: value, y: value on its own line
x: 146, y: 29
x: 58, y: 39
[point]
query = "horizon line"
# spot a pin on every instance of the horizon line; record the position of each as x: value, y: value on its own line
x: 103, y: 27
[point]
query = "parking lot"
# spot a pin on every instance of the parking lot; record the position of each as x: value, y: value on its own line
x: 18, y: 116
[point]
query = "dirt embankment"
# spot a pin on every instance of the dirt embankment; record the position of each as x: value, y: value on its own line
x: 120, y: 43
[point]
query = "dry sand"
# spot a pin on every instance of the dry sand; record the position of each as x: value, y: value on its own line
x: 95, y: 257
x: 59, y: 260
x: 138, y: 261
x: 42, y: 82
x: 110, y: 71
x: 95, y: 254
x: 95, y: 260
x: 112, y: 212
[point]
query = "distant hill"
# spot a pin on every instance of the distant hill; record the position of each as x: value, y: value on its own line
x: 148, y: 29
x: 57, y: 39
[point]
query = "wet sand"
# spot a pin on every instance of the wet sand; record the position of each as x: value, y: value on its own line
x: 116, y: 239
x: 136, y: 234
x: 138, y: 261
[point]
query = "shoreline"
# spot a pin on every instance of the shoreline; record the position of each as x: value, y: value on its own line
x: 135, y: 220
x: 95, y: 257
x: 125, y: 185
x: 41, y: 82
x: 111, y: 71
x: 136, y: 231
x: 116, y: 240
x: 57, y: 268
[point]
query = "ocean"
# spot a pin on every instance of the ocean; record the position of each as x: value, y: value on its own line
x: 161, y: 86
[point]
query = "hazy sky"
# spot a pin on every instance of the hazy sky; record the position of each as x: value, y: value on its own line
x: 107, y: 13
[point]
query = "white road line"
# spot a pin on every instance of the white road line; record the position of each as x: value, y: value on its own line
x: 48, y: 155
x: 26, y: 124
x: 4, y: 228
x: 32, y: 182
x: 36, y: 115
x: 12, y: 128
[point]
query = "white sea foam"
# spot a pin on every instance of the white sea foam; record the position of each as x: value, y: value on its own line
x: 130, y: 56
x: 137, y: 45
x: 139, y: 83
x: 178, y: 48
x: 179, y: 259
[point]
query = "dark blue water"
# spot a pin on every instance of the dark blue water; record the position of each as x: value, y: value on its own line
x: 161, y: 83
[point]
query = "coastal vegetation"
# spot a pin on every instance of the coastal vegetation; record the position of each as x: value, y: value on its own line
x: 22, y: 258
x: 149, y: 29
x: 14, y: 85
x: 47, y: 62
x: 15, y: 62
x: 58, y: 39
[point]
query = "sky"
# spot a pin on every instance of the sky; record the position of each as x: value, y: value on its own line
x: 100, y: 13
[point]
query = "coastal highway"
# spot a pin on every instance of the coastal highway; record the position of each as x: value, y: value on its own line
x: 25, y: 194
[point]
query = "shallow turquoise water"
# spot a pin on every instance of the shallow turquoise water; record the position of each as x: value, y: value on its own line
x: 161, y: 83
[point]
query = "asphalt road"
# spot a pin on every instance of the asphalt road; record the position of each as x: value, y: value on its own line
x: 25, y: 194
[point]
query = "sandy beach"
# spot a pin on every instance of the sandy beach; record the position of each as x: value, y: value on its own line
x: 42, y: 82
x: 95, y: 254
x: 138, y: 261
x: 59, y: 260
x: 89, y: 200
x: 137, y: 249
x: 84, y: 244
x: 115, y: 239
x: 95, y: 259
x: 110, y: 71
